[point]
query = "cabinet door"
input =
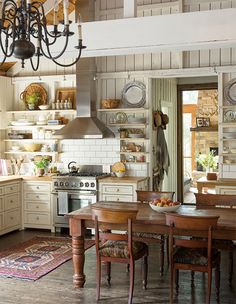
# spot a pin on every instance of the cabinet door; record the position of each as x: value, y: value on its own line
x: 38, y: 207
x: 37, y: 196
x: 226, y: 190
x: 36, y: 219
x: 1, y: 203
x: 2, y: 192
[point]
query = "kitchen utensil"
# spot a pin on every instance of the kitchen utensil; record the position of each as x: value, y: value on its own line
x: 164, y: 209
x: 44, y: 107
x: 230, y: 91
x: 73, y: 168
x: 120, y: 174
x: 22, y: 122
x: 32, y: 147
x: 121, y: 117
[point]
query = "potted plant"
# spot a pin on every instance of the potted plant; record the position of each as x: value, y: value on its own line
x: 33, y: 100
x: 209, y: 162
x: 41, y: 165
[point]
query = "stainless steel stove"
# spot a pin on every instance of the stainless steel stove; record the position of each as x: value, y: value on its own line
x: 72, y: 191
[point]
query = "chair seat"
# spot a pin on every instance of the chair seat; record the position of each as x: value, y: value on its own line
x: 119, y: 249
x: 194, y: 256
x: 155, y: 236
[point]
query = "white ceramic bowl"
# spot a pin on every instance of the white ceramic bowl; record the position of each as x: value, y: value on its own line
x: 164, y: 209
x: 120, y: 174
x: 44, y: 107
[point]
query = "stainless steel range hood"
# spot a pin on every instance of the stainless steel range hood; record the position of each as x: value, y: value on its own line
x: 85, y: 125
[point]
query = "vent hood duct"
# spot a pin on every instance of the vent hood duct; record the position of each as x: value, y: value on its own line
x: 84, y: 125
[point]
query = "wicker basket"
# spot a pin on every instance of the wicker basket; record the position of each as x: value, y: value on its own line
x: 31, y: 89
x: 110, y: 103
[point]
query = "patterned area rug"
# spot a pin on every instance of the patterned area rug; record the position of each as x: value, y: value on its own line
x: 33, y: 259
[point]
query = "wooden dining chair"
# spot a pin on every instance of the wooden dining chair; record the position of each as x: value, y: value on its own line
x: 192, y: 254
x: 145, y: 197
x: 117, y: 247
x: 213, y: 201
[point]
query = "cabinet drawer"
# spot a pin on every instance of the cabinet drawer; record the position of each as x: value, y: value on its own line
x: 2, y: 192
x: 39, y: 197
x: 1, y: 204
x: 117, y: 198
x: 119, y: 189
x: 32, y: 206
x: 38, y: 187
x: 12, y: 188
x: 12, y: 218
x: 37, y: 219
x: 11, y: 201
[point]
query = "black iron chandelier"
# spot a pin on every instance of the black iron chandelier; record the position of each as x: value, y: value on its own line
x: 24, y: 33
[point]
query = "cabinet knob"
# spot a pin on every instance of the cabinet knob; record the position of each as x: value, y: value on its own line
x: 11, y: 188
x: 37, y: 218
x: 12, y: 218
x: 118, y: 199
x: 37, y: 207
x: 37, y: 187
x: 37, y: 196
x: 11, y: 201
x: 117, y: 190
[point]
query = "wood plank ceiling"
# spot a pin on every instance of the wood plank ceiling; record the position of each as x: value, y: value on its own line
x: 7, y: 65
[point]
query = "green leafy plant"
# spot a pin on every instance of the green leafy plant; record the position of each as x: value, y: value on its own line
x: 33, y: 98
x: 208, y: 161
x: 42, y: 164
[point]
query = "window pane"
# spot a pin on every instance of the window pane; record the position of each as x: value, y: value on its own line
x: 190, y: 97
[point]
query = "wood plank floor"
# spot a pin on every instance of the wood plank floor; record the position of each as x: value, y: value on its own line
x: 57, y: 288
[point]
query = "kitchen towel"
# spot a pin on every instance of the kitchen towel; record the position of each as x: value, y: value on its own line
x: 63, y: 201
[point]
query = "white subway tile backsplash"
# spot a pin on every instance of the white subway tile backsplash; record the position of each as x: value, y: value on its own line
x: 101, y: 154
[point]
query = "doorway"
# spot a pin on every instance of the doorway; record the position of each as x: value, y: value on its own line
x: 197, y: 135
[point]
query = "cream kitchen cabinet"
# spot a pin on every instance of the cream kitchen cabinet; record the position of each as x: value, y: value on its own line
x: 230, y: 190
x: 121, y: 189
x: 10, y: 207
x: 37, y: 205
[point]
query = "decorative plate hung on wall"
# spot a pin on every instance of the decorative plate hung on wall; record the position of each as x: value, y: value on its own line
x: 134, y: 94
x: 230, y: 91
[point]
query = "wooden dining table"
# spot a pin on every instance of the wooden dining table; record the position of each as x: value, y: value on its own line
x: 147, y: 220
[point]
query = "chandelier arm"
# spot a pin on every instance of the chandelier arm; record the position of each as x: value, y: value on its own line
x: 5, y: 50
x: 69, y: 65
x: 4, y: 59
x: 44, y: 23
x: 32, y: 64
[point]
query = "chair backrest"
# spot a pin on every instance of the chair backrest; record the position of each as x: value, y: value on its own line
x: 185, y: 223
x: 146, y: 196
x: 209, y: 201
x: 103, y: 216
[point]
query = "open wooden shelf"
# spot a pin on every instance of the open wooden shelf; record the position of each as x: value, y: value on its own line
x: 204, y: 129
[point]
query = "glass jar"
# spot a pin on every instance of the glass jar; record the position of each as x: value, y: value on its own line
x: 48, y: 134
x: 58, y: 105
x: 41, y: 134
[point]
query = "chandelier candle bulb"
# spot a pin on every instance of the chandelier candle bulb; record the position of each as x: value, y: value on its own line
x: 66, y: 19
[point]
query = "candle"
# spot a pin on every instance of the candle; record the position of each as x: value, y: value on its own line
x: 80, y: 31
x: 56, y: 7
x: 66, y: 19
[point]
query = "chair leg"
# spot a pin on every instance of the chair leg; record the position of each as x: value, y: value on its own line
x: 98, y: 279
x: 167, y: 251
x: 177, y: 281
x: 171, y: 282
x: 108, y: 264
x: 162, y: 245
x: 192, y: 279
x: 217, y: 282
x: 131, y: 283
x: 231, y: 265
x: 145, y: 272
x: 209, y: 279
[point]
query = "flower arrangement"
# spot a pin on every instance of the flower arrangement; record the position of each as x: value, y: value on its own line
x: 208, y: 161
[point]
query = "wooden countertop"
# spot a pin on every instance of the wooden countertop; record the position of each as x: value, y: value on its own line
x: 21, y: 177
x: 123, y: 180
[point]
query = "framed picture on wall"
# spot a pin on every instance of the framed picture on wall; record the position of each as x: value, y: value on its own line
x: 199, y: 122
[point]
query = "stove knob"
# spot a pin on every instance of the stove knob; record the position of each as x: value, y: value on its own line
x: 76, y: 185
x: 86, y: 184
x: 66, y: 184
x: 61, y: 184
x: 56, y: 184
x: 81, y: 184
x: 92, y: 185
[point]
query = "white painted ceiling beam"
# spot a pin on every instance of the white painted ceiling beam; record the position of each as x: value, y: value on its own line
x: 177, y: 32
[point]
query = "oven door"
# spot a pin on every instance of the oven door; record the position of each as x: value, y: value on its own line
x: 65, y: 202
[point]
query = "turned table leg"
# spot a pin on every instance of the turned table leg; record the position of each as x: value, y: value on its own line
x: 78, y: 261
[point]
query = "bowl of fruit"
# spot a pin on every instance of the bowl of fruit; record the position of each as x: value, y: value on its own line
x: 164, y: 204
